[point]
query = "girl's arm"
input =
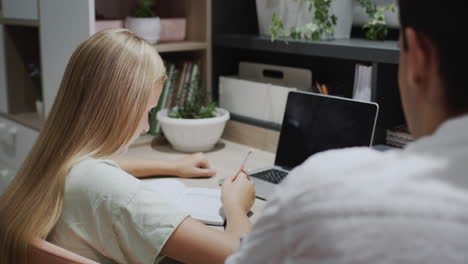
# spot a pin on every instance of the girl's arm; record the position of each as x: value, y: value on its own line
x: 195, y: 165
x: 194, y: 242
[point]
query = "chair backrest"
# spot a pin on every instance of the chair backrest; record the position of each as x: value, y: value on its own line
x: 44, y: 252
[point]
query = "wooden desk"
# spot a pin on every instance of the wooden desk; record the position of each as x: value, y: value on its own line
x: 226, y: 158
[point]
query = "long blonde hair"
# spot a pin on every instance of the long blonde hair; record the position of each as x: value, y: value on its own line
x: 103, y: 96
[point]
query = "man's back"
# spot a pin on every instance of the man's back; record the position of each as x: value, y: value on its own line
x: 363, y: 206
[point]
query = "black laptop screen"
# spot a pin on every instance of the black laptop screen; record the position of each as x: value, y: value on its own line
x: 314, y: 123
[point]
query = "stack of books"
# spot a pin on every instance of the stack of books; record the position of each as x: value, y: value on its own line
x: 399, y: 136
x: 178, y: 90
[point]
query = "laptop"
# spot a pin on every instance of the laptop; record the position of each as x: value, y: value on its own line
x: 314, y: 123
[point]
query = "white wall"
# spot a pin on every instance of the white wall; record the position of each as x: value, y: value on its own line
x: 64, y: 24
x: 3, y: 81
x: 20, y: 9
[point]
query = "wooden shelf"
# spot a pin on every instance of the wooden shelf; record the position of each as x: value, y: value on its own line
x: 181, y: 46
x: 351, y: 49
x: 31, y: 120
x: 18, y: 22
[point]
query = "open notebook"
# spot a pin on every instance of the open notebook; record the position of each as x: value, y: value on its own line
x: 203, y: 204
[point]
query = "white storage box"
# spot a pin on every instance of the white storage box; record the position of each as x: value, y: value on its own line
x: 252, y: 99
x: 260, y: 91
x: 20, y: 9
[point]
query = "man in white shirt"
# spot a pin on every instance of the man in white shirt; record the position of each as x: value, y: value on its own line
x: 403, y: 206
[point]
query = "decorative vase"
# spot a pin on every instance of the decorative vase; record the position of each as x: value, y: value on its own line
x: 193, y: 135
x: 146, y: 28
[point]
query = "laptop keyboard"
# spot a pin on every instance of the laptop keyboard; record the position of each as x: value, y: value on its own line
x: 273, y: 176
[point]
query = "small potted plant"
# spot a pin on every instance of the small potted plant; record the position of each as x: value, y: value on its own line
x: 145, y: 24
x: 307, y: 19
x: 377, y: 28
x: 193, y: 123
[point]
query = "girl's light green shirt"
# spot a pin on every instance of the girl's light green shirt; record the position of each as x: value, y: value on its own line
x: 111, y: 217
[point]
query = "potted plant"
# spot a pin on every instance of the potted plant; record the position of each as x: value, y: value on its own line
x: 145, y: 24
x: 306, y: 19
x: 376, y: 28
x: 193, y: 123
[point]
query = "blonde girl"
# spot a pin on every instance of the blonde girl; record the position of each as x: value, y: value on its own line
x: 69, y: 192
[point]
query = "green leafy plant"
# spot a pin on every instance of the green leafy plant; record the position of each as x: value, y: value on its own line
x: 195, y: 103
x: 322, y: 26
x: 376, y: 29
x: 145, y: 10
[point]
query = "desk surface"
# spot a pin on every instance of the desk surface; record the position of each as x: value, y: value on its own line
x: 226, y: 158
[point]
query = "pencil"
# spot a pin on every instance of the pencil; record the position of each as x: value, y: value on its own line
x: 242, y: 167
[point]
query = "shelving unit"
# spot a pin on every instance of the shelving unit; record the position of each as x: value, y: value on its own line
x: 350, y: 49
x: 19, y: 121
x: 28, y: 119
x: 50, y: 40
x: 331, y: 62
x: 60, y: 34
x: 181, y: 46
x: 18, y: 22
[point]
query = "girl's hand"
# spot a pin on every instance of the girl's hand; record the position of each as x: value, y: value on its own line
x: 192, y: 166
x: 238, y: 193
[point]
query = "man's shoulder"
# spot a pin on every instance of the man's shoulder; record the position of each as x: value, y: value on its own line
x: 339, y: 163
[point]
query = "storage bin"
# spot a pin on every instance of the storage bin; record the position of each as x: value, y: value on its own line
x: 261, y: 90
x: 173, y: 29
x: 256, y: 100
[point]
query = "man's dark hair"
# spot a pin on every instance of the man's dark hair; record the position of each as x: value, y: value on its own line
x: 444, y: 23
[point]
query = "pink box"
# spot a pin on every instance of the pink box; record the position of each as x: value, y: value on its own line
x: 108, y: 24
x: 173, y: 29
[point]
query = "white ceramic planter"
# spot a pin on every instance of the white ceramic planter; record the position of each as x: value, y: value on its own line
x: 193, y: 135
x: 296, y: 13
x: 147, y: 28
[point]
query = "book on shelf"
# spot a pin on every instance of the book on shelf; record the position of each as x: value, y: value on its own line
x: 399, y: 136
x: 192, y: 83
x: 362, y: 83
x: 184, y: 85
x: 164, y: 97
x: 177, y: 89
